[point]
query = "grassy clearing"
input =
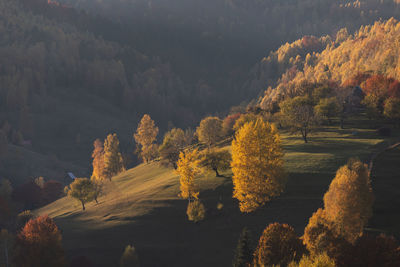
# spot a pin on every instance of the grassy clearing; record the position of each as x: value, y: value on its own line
x: 142, y: 208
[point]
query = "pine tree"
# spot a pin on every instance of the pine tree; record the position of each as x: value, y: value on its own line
x: 188, y: 168
x: 145, y: 137
x: 243, y: 254
x: 113, y: 163
x: 257, y: 165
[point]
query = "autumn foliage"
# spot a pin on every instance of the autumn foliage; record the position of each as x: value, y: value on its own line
x: 278, y: 245
x: 257, y: 165
x: 39, y: 244
x: 187, y: 168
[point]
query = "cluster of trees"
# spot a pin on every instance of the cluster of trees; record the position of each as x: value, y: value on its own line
x: 334, y: 235
x: 366, y: 59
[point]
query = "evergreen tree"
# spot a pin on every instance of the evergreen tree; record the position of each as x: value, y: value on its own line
x: 243, y: 253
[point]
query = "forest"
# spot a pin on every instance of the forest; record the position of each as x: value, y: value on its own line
x: 186, y: 133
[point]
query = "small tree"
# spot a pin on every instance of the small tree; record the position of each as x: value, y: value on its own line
x: 278, y: 245
x: 39, y: 244
x: 298, y: 113
x: 328, y: 108
x: 145, y: 137
x: 113, y: 163
x: 188, y: 168
x: 348, y: 202
x: 174, y: 142
x: 99, y: 171
x: 392, y: 109
x: 82, y: 189
x: 196, y: 211
x: 228, y: 124
x: 257, y: 165
x: 129, y: 258
x: 209, y: 130
x: 216, y: 160
x: 243, y: 253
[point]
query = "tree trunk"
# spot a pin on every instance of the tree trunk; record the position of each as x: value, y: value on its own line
x: 341, y: 123
x: 95, y: 199
x: 83, y: 205
x: 304, y: 134
x: 217, y: 173
x: 6, y: 253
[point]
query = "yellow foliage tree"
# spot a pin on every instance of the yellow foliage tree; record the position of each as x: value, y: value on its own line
x: 348, y: 202
x: 113, y: 162
x: 98, y: 161
x: 145, y: 137
x: 187, y: 168
x: 257, y: 165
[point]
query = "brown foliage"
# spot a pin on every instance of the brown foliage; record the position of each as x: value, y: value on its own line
x: 51, y: 191
x: 39, y: 244
x: 278, y: 245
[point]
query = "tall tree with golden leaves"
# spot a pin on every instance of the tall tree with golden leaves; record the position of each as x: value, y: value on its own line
x: 145, y: 137
x: 257, y: 165
x: 348, y: 202
x: 187, y: 168
x: 113, y: 163
x: 98, y: 161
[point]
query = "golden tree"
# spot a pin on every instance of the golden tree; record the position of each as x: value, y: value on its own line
x: 113, y: 163
x: 188, y: 168
x: 209, y: 130
x: 257, y: 165
x: 98, y: 161
x: 348, y: 202
x: 145, y: 137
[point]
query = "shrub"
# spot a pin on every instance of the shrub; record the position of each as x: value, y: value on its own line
x: 196, y: 211
x: 129, y: 258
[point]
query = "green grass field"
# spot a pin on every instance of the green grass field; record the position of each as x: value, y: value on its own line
x: 142, y: 207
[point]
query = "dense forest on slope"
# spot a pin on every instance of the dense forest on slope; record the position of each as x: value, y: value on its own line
x: 347, y: 61
x: 69, y: 76
x: 213, y: 44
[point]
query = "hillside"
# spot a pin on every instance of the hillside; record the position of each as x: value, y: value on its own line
x: 142, y: 208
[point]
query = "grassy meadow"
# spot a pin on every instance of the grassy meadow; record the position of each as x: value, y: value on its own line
x: 141, y: 206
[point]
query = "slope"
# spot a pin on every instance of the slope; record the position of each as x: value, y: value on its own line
x: 142, y: 208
